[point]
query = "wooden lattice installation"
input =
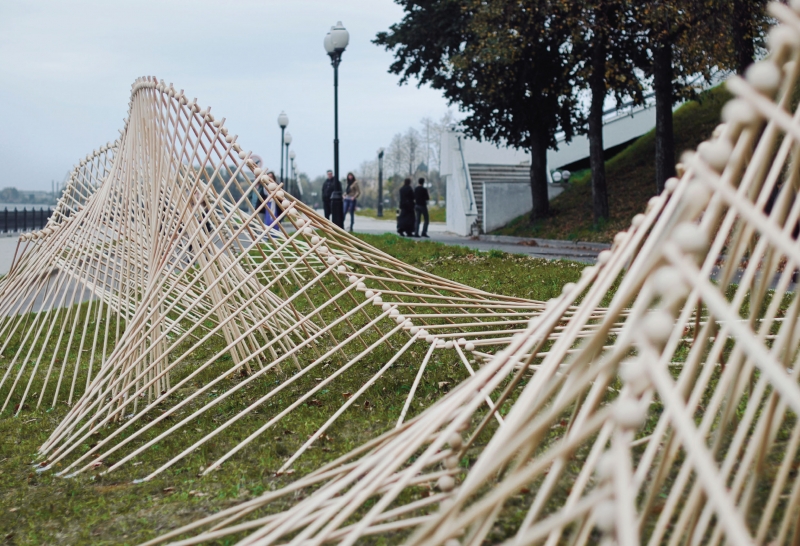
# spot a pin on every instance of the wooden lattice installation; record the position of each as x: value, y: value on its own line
x: 679, y: 427
x: 165, y: 290
x: 33, y: 288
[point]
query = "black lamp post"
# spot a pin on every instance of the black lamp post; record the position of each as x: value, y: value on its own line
x: 293, y: 174
x: 335, y: 43
x: 283, y: 121
x: 380, y: 183
x: 287, y: 139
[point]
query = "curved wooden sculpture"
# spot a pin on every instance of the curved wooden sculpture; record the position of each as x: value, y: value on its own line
x: 159, y: 293
x: 678, y: 427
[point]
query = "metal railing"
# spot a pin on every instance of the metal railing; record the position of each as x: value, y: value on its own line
x: 23, y: 220
x: 467, y: 178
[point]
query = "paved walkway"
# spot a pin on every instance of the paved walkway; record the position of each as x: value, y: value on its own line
x: 8, y: 244
x: 539, y: 248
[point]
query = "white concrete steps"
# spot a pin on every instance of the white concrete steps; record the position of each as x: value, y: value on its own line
x: 481, y: 174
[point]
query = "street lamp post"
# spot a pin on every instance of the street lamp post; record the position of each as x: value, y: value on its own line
x: 380, y: 183
x: 298, y: 190
x: 287, y: 139
x: 292, y: 173
x: 296, y: 182
x: 283, y: 121
x: 335, y: 43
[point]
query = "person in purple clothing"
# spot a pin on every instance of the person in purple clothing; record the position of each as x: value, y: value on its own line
x: 270, y: 212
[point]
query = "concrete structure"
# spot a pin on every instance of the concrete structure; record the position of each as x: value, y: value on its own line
x: 619, y: 126
x: 488, y: 186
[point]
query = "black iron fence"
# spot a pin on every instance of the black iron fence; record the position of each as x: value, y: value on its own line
x: 23, y: 220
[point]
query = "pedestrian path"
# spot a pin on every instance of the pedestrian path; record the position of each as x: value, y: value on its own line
x: 365, y: 224
x: 8, y: 245
x: 539, y: 248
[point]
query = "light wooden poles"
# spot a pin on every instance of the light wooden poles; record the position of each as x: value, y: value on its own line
x: 157, y: 297
x: 668, y: 418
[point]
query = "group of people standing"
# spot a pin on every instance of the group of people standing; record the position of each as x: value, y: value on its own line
x: 338, y: 202
x: 413, y: 204
x: 413, y: 208
x: 332, y: 196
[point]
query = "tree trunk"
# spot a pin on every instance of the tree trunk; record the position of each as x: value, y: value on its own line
x: 597, y: 82
x: 665, y: 137
x: 541, y: 203
x: 743, y: 14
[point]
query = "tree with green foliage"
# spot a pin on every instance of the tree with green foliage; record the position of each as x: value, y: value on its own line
x: 687, y: 38
x: 607, y: 50
x: 666, y: 24
x: 505, y: 63
x: 748, y: 22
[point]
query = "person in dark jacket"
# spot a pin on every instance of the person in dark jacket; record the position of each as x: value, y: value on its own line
x: 421, y: 199
x: 327, y: 189
x: 405, y: 216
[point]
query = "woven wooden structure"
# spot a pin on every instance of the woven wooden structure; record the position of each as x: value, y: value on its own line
x: 176, y: 280
x: 677, y: 427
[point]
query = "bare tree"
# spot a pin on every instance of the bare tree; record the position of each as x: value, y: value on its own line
x: 367, y: 172
x: 428, y: 133
x: 412, y: 142
x: 367, y: 175
x: 403, y: 157
x: 435, y: 131
x: 395, y: 156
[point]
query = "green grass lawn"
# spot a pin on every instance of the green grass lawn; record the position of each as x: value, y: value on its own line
x: 437, y: 214
x: 630, y: 176
x: 40, y: 508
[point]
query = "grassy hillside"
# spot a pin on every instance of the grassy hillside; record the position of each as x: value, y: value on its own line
x: 631, y: 179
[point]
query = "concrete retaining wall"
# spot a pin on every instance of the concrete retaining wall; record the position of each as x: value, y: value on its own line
x: 504, y: 201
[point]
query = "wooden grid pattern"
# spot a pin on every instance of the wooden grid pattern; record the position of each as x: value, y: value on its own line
x: 674, y: 422
x: 156, y: 253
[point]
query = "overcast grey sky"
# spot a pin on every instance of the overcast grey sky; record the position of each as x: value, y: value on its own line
x: 66, y: 68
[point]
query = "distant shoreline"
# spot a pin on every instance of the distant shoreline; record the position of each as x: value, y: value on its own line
x: 29, y: 206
